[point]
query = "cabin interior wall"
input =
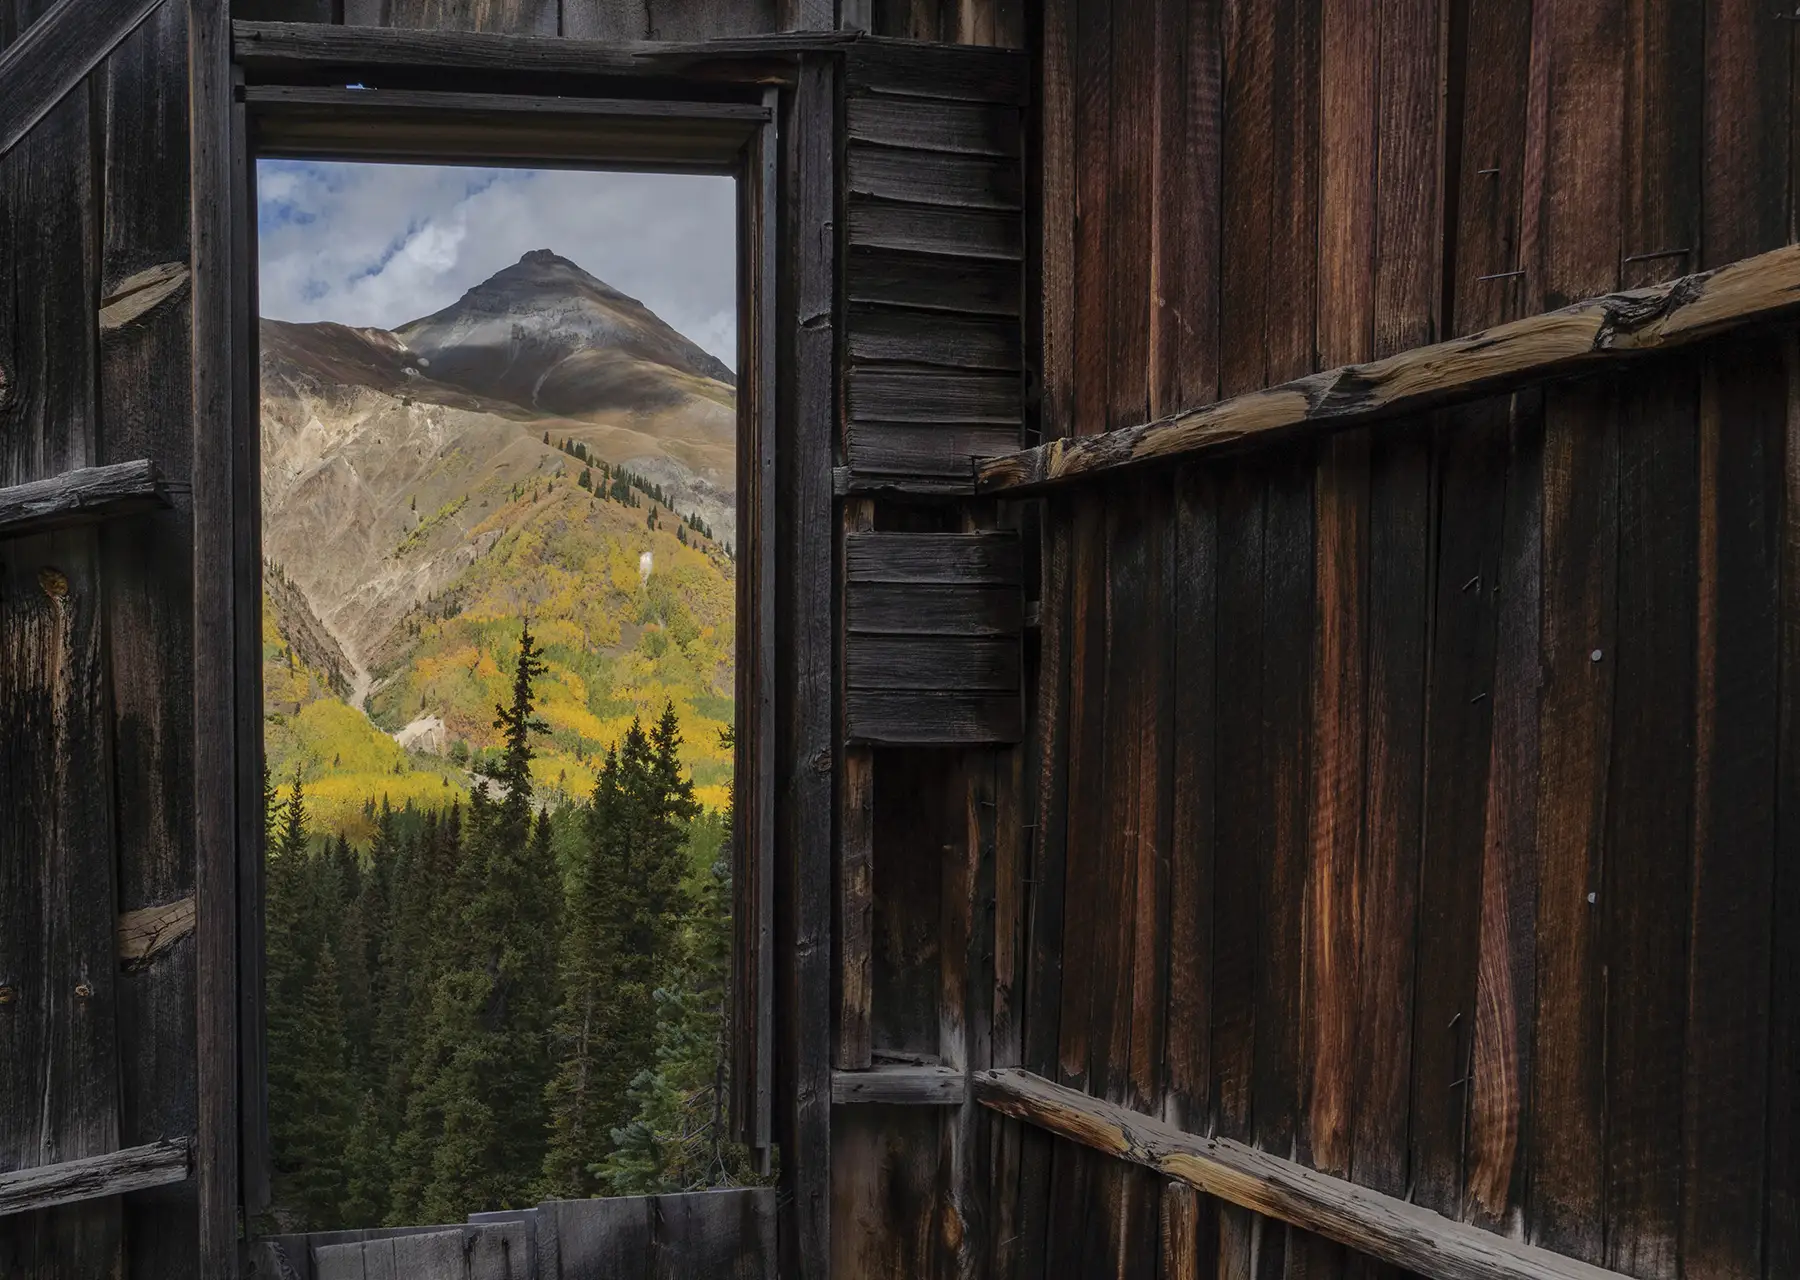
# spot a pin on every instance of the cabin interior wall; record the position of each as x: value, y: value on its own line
x: 1417, y: 803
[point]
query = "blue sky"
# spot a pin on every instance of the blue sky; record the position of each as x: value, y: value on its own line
x: 380, y: 245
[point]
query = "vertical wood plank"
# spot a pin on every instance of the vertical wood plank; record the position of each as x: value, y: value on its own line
x: 1491, y: 282
x: 1193, y: 602
x: 1782, y: 1247
x: 145, y: 413
x: 1645, y: 890
x: 1472, y: 448
x: 1743, y: 411
x: 804, y: 636
x: 215, y: 623
x: 1749, y: 113
x: 1408, y: 214
x: 1056, y: 225
x: 1581, y: 537
x: 1131, y: 205
x: 1091, y: 125
x: 1499, y: 1122
x: 855, y: 874
x: 57, y: 898
x: 1399, y: 596
x: 1665, y: 67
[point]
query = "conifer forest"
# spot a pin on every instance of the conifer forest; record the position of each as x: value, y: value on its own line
x: 504, y: 999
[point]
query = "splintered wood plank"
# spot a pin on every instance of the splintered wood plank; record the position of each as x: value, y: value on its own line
x: 1644, y: 896
x: 1399, y: 595
x: 1501, y: 1066
x: 93, y: 1177
x: 1472, y: 464
x: 1193, y: 607
x: 1578, y: 665
x: 1538, y: 349
x: 1284, y: 1191
x: 1743, y: 418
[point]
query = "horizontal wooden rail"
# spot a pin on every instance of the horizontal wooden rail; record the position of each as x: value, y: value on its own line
x: 1556, y: 344
x: 81, y: 497
x: 1381, y: 1226
x: 902, y: 1085
x: 55, y: 53
x: 93, y: 1177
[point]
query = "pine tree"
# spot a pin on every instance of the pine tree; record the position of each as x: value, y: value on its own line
x: 478, y: 1105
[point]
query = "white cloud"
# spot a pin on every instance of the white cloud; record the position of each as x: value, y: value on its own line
x: 383, y: 244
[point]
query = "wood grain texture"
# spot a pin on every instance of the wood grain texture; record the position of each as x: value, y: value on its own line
x: 898, y: 1084
x: 1578, y: 620
x: 1782, y: 1243
x: 93, y: 1177
x: 933, y: 282
x: 146, y: 933
x: 940, y: 229
x: 932, y: 177
x: 145, y: 389
x: 971, y: 559
x: 1743, y: 417
x: 86, y: 495
x: 508, y: 17
x: 1644, y: 896
x: 953, y: 397
x: 931, y: 718
x: 1380, y: 1225
x: 56, y: 51
x: 958, y: 128
x: 852, y: 936
x: 805, y: 665
x: 882, y: 335
x: 1537, y: 349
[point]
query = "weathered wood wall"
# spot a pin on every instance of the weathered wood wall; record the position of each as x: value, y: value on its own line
x: 1419, y: 804
x: 96, y: 815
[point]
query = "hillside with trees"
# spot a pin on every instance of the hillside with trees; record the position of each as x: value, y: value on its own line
x: 499, y: 1002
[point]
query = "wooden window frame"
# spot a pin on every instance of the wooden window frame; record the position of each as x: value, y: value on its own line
x: 701, y: 121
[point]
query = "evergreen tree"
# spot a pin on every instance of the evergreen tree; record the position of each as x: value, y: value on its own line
x: 478, y: 1101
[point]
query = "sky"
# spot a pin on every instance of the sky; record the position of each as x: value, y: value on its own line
x: 378, y: 245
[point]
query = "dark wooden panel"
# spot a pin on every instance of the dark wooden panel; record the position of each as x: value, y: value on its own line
x: 1665, y: 49
x: 892, y: 335
x: 1471, y: 487
x: 933, y: 610
x: 931, y: 450
x: 947, y: 663
x: 913, y: 718
x: 805, y: 730
x: 937, y: 71
x: 145, y: 408
x: 961, y: 128
x: 932, y: 177
x: 957, y: 233
x: 1644, y: 896
x: 1580, y: 540
x: 932, y: 282
x: 1743, y: 419
x: 941, y: 558
x: 932, y: 395
x: 1782, y: 1251
x: 56, y: 51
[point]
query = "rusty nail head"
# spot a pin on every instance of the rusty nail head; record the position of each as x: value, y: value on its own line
x: 83, y: 991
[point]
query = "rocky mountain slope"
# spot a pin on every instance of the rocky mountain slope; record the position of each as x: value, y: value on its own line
x: 545, y: 448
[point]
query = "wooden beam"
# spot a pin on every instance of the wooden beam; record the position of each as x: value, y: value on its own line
x: 1556, y: 344
x: 55, y: 54
x: 1381, y: 1226
x: 94, y: 1177
x: 83, y: 496
x: 262, y: 47
x: 902, y: 1085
